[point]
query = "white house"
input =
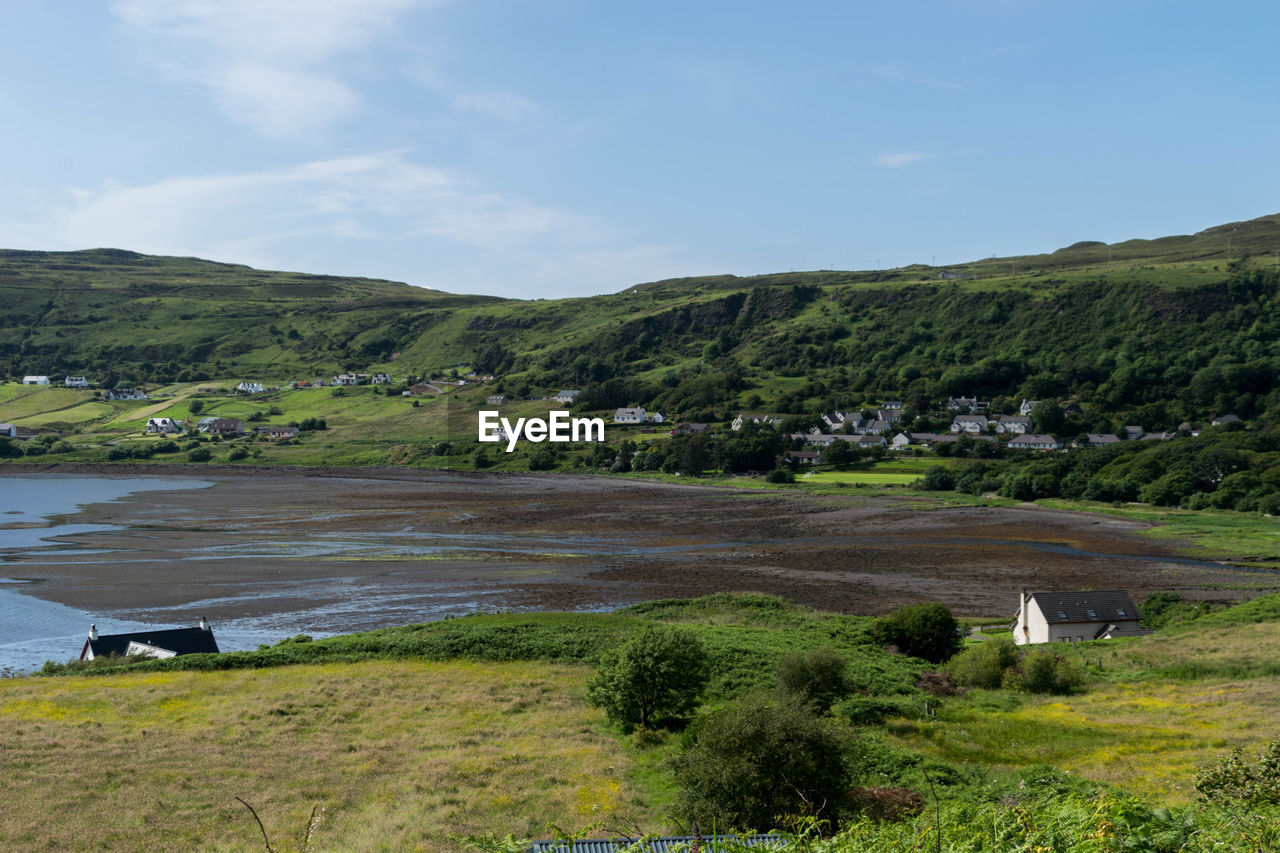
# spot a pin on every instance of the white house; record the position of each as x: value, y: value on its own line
x: 1035, y: 442
x: 567, y: 396
x: 162, y: 426
x: 8, y: 431
x: 1073, y: 617
x: 1016, y: 424
x: 1027, y: 407
x: 380, y: 379
x: 972, y: 424
x: 630, y: 416
x: 124, y: 394
x: 344, y: 379
x: 657, y: 418
x: 742, y: 420
x: 75, y: 382
x: 35, y: 380
x: 250, y: 388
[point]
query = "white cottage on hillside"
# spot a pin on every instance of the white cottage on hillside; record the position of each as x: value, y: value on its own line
x: 1073, y: 617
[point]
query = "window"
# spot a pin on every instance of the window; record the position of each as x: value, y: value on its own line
x: 1093, y: 615
x: 1062, y: 614
x: 1120, y: 610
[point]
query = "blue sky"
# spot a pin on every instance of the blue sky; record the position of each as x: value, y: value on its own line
x: 564, y: 147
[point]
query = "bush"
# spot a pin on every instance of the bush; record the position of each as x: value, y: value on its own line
x: 200, y: 454
x: 816, y: 678
x: 938, y: 479
x: 984, y: 665
x: 781, y: 475
x: 237, y: 454
x: 1042, y: 670
x: 926, y: 631
x: 753, y: 763
x: 659, y: 672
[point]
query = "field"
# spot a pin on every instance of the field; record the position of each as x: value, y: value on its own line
x: 394, y: 756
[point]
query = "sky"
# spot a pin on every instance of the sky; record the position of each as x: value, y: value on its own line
x: 574, y: 147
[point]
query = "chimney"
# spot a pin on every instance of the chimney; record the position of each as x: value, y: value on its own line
x: 93, y: 632
x: 1023, y: 601
x: 204, y: 624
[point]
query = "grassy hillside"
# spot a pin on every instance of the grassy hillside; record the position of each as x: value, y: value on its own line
x: 1161, y: 329
x: 478, y: 726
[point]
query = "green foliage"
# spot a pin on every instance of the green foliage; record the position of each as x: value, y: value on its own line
x: 660, y: 672
x: 781, y: 475
x: 984, y: 665
x: 754, y: 764
x: 200, y: 454
x: 816, y: 678
x: 925, y: 630
x: 1043, y: 670
x: 938, y: 479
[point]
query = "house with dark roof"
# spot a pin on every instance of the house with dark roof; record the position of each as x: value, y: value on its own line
x: 1073, y: 617
x: 164, y: 643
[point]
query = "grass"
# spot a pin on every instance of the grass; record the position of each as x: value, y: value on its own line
x: 1235, y: 536
x: 397, y: 755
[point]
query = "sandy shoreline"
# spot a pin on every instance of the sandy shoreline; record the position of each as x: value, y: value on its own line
x: 368, y: 547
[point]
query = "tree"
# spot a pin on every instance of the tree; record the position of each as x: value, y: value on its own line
x: 1048, y: 416
x: 816, y: 677
x: 926, y: 631
x: 195, y: 406
x: 755, y: 762
x: 659, y: 672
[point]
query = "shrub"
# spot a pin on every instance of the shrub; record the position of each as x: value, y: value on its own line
x: 1042, y: 670
x: 984, y: 665
x: 816, y: 678
x: 926, y: 631
x: 661, y: 671
x: 200, y: 454
x: 752, y: 764
x: 886, y: 803
x: 237, y: 454
x: 781, y: 475
x: 938, y: 479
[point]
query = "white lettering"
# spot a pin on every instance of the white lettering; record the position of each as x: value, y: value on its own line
x: 589, y: 426
x: 488, y: 425
x: 513, y: 433
x: 558, y: 428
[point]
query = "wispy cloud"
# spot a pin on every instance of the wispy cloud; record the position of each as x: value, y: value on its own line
x: 418, y: 223
x: 266, y: 63
x: 893, y: 72
x: 900, y: 159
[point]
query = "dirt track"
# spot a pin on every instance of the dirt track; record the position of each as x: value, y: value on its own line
x: 394, y: 546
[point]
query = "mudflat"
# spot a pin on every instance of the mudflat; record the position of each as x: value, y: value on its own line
x: 362, y: 548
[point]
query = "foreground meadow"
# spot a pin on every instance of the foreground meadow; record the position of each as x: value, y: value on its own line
x: 391, y: 755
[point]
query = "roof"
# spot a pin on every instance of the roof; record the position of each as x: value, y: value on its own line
x: 1099, y: 605
x: 182, y: 641
x: 654, y: 845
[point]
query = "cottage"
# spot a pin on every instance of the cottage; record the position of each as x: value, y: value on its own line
x: 1159, y: 436
x: 75, y: 382
x: 864, y: 440
x: 742, y: 420
x: 690, y: 429
x: 891, y: 405
x: 804, y: 457
x: 817, y: 439
x: 1100, y: 439
x: 1015, y: 424
x: 965, y: 404
x: 657, y: 418
x: 162, y: 426
x: 1226, y: 419
x: 1133, y: 433
x: 567, y: 397
x: 1036, y: 442
x: 630, y: 416
x: 1073, y: 617
x: 972, y: 424
x: 282, y: 433
x: 250, y: 388
x: 380, y: 379
x: 498, y: 400
x: 225, y: 427
x: 8, y: 431
x: 1027, y: 406
x: 153, y: 644
x: 35, y: 380
x: 346, y: 379
x: 124, y: 394
x: 876, y: 427
x: 899, y: 441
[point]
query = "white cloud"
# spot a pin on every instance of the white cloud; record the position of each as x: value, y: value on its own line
x: 377, y: 214
x: 899, y: 159
x: 266, y: 63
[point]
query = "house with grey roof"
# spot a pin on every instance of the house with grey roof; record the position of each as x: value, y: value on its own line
x: 635, y: 415
x: 1100, y: 439
x: 972, y: 424
x: 1015, y: 424
x: 1074, y: 617
x: 1036, y: 442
